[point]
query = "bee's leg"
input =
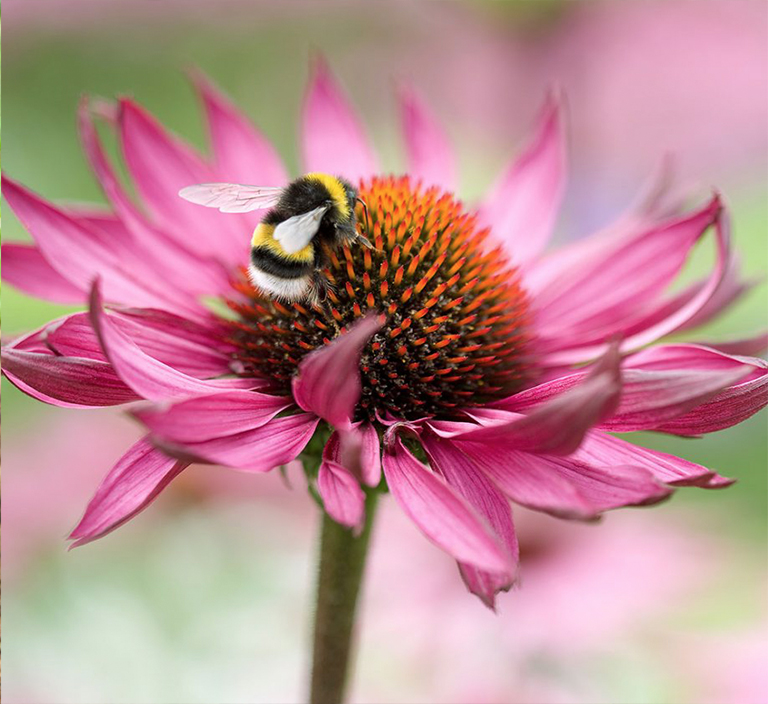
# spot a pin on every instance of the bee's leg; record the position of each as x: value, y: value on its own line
x: 363, y: 240
x: 350, y: 234
x: 321, y: 288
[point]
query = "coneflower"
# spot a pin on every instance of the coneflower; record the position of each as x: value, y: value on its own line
x: 456, y: 355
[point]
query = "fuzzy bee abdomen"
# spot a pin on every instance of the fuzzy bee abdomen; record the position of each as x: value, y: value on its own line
x: 266, y: 260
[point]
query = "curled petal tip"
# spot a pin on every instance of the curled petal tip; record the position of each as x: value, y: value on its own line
x: 328, y: 380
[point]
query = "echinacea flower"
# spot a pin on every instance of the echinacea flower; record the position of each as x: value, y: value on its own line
x: 458, y: 356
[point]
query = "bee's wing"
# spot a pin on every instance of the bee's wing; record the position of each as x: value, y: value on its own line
x: 231, y: 197
x: 297, y: 232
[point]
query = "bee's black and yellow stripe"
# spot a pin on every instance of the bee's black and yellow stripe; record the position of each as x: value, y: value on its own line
x: 270, y: 257
x: 303, y: 195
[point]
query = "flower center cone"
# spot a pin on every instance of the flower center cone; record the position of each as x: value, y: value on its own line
x: 456, y: 315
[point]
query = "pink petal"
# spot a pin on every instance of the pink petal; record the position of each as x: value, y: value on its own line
x: 652, y: 397
x: 208, y: 417
x: 528, y: 479
x: 260, y: 449
x: 749, y: 346
x: 342, y: 496
x: 565, y: 486
x: 106, y: 176
x: 175, y: 344
x: 610, y: 486
x: 147, y: 376
x: 241, y: 153
x: 160, y: 165
x: 168, y: 344
x: 625, y: 281
x: 366, y: 462
x: 430, y: 157
x: 370, y: 454
x: 558, y: 426
x: 658, y: 384
x: 441, y: 514
x: 328, y: 380
x: 523, y: 206
x: 726, y: 409
x: 463, y: 476
x: 688, y: 356
x: 70, y: 382
x: 173, y: 255
x: 603, y: 449
x: 132, y: 484
x: 333, y: 139
x: 25, y: 268
x: 731, y: 288
x: 627, y: 272
x: 732, y: 404
x: 652, y: 204
x: 77, y: 252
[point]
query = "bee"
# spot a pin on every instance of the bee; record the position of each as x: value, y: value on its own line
x: 287, y: 253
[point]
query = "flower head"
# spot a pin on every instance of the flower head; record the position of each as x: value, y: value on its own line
x: 456, y: 355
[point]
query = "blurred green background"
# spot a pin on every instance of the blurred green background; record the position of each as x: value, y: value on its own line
x: 641, y: 78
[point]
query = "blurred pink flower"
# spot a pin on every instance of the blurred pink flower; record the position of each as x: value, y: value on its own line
x: 592, y: 601
x: 476, y: 353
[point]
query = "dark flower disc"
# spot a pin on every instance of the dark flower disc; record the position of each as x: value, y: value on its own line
x: 456, y: 314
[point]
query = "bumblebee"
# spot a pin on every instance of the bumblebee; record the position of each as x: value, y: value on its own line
x: 287, y: 253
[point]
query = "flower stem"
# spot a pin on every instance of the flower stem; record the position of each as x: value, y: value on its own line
x: 342, y: 561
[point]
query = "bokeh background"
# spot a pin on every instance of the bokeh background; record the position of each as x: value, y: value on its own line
x: 207, y: 596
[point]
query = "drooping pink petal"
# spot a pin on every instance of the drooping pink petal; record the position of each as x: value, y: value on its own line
x: 147, y: 376
x: 78, y: 253
x: 430, y: 157
x: 658, y: 384
x: 688, y: 356
x: 358, y: 451
x: 726, y: 409
x: 370, y: 454
x: 332, y: 138
x: 208, y: 417
x: 260, y: 449
x: 328, y: 379
x: 464, y: 476
x: 612, y: 486
x: 169, y: 344
x: 619, y: 289
x: 524, y: 204
x: 558, y: 426
x: 651, y: 397
x: 742, y: 397
x: 25, y: 268
x: 241, y: 154
x: 70, y: 382
x: 567, y: 487
x: 441, y: 514
x: 161, y: 165
x: 342, y: 496
x: 131, y: 485
x: 528, y: 479
x: 600, y: 448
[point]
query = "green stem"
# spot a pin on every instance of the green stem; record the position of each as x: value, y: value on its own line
x: 342, y: 561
